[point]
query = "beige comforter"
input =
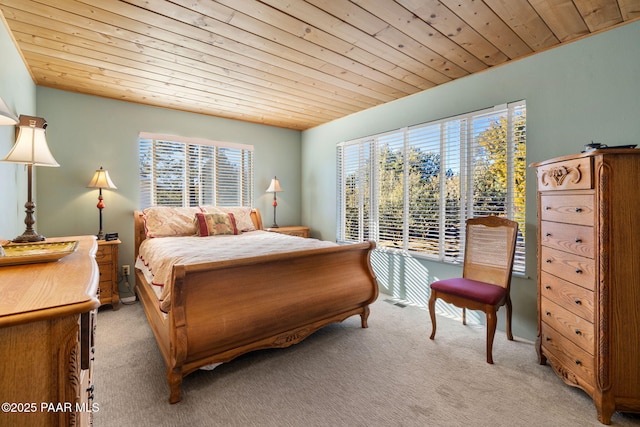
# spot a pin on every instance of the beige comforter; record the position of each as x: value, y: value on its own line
x: 157, y: 256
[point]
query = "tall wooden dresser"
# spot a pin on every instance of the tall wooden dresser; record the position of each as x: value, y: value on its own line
x: 589, y: 275
x: 47, y: 318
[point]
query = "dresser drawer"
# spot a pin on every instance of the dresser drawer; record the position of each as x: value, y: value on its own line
x: 87, y: 339
x: 106, y: 271
x: 572, y: 174
x: 103, y: 254
x: 577, y: 239
x: 574, y: 268
x: 293, y: 230
x: 578, y: 300
x: 299, y: 233
x: 105, y: 290
x: 575, y: 328
x: 570, y: 356
x: 567, y: 208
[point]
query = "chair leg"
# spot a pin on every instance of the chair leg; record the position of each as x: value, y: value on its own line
x: 432, y: 313
x: 491, y: 332
x: 464, y: 316
x: 509, y: 334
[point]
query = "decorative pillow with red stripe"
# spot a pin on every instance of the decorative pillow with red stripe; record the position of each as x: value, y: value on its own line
x: 215, y: 224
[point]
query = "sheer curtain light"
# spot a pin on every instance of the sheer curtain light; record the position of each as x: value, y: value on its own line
x: 100, y: 180
x: 31, y: 149
x: 274, y: 188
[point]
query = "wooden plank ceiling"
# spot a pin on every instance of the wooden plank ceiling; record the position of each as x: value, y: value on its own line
x: 287, y: 63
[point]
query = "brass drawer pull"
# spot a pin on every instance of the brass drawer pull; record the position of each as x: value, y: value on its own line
x: 578, y: 362
x: 548, y: 261
x: 578, y: 332
x: 547, y: 208
x: 578, y: 210
x: 548, y: 234
x: 578, y: 271
x: 578, y: 240
x: 547, y: 287
x: 548, y: 313
x: 577, y: 301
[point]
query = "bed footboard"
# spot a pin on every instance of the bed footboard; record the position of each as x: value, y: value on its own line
x: 223, y: 309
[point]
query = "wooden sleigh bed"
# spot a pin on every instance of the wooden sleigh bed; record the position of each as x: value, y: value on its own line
x: 222, y: 309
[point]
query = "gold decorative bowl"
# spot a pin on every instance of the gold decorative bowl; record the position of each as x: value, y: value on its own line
x: 30, y: 253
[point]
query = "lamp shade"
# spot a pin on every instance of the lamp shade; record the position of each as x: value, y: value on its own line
x: 31, y: 146
x: 275, y: 186
x: 6, y: 117
x: 101, y: 179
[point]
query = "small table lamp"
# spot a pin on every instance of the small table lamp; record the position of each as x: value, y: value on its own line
x: 101, y: 180
x: 274, y: 188
x: 31, y: 149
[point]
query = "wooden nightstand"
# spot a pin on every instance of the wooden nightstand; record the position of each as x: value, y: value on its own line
x: 294, y: 230
x: 107, y: 259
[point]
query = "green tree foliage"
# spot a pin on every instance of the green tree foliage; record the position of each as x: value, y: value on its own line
x: 492, y: 178
x: 492, y: 184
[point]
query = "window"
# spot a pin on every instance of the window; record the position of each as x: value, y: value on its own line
x: 177, y: 171
x: 413, y: 189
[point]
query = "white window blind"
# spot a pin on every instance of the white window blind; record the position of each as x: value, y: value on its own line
x: 413, y: 189
x: 355, y: 207
x: 176, y: 171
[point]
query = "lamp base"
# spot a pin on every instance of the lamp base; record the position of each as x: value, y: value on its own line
x: 29, y: 237
x: 275, y: 225
x: 30, y: 234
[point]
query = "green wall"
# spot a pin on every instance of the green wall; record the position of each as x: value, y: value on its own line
x: 588, y: 90
x: 86, y: 132
x: 19, y: 93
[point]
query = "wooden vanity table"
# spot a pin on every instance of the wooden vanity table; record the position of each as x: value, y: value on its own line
x: 47, y: 318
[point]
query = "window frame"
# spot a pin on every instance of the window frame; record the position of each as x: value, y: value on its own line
x: 368, y: 171
x: 191, y: 168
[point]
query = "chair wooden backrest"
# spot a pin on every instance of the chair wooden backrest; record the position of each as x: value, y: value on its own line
x: 489, y: 250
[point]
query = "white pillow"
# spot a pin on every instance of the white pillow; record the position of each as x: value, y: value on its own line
x: 166, y: 221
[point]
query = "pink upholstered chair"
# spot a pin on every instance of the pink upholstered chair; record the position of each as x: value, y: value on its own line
x: 486, y: 276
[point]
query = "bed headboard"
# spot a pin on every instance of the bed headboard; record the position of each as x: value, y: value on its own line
x: 140, y: 234
x: 256, y: 218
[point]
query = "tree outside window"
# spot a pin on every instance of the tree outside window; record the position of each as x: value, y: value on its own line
x: 413, y: 189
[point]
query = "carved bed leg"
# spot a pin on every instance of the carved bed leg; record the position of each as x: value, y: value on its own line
x: 542, y: 359
x: 175, y: 386
x: 364, y: 316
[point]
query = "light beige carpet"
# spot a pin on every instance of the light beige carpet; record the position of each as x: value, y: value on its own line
x: 390, y: 374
